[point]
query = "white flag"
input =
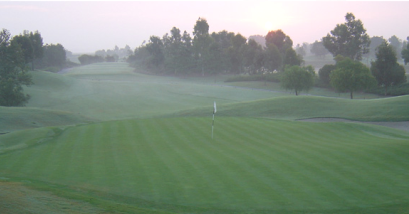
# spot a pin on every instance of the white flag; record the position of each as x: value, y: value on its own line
x: 214, y: 108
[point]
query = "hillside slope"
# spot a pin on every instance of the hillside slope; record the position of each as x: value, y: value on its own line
x: 18, y: 118
x: 302, y: 107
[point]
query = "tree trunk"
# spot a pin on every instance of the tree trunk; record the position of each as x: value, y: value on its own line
x: 352, y: 97
x: 296, y: 93
x: 386, y: 90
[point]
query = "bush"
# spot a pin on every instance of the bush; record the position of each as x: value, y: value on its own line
x: 274, y: 77
x: 402, y: 89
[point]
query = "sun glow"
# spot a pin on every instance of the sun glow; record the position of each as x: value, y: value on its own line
x: 268, y: 26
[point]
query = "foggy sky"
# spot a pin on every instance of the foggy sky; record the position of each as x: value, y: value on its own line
x: 84, y: 27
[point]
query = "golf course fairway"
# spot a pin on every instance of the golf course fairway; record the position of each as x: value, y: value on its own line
x: 126, y: 142
x: 251, y: 164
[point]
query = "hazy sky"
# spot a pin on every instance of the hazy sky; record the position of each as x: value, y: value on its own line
x: 89, y: 26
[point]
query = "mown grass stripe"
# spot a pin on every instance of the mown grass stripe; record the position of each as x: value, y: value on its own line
x: 309, y: 165
x: 206, y: 165
x: 180, y: 163
x: 252, y: 177
x: 334, y: 162
x: 251, y: 164
x: 161, y: 183
x: 215, y: 165
x: 250, y: 139
x: 301, y: 161
x: 191, y: 150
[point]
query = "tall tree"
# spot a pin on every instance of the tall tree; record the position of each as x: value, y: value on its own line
x: 177, y: 51
x: 396, y: 43
x: 13, y: 72
x: 261, y: 40
x: 301, y: 50
x: 37, y: 43
x: 348, y: 39
x: 155, y: 48
x: 318, y: 49
x: 272, y: 58
x: 224, y: 39
x: 213, y: 62
x: 405, y: 52
x: 54, y: 55
x: 375, y: 42
x: 386, y: 68
x: 236, y: 51
x: 279, y: 39
x: 26, y: 46
x: 201, y: 43
x: 253, y: 56
x: 351, y: 76
x: 291, y: 58
x: 324, y: 74
x: 297, y: 78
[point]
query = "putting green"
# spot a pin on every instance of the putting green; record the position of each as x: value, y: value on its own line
x: 251, y: 164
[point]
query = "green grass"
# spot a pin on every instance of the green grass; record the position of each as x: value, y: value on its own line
x: 18, y: 118
x: 251, y: 165
x: 152, y: 150
x: 111, y: 91
x: 302, y: 107
x: 276, y: 87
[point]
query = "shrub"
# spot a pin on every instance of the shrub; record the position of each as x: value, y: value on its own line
x: 274, y: 77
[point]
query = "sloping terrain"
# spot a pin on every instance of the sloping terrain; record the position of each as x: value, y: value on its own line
x: 115, y: 140
x: 18, y: 118
x: 302, y: 107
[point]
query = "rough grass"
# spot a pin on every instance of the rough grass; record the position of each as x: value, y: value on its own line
x: 18, y: 118
x: 251, y: 165
x: 316, y: 91
x: 110, y: 91
x: 302, y: 107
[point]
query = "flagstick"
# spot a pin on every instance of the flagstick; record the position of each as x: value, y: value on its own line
x: 212, y: 124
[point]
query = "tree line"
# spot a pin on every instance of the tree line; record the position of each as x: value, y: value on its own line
x: 19, y: 54
x: 106, y: 55
x: 213, y: 53
x: 348, y: 43
x: 226, y: 52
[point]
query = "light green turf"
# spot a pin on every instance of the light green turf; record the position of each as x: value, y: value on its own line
x: 276, y: 87
x: 252, y: 165
x: 109, y: 91
x: 18, y: 118
x: 302, y: 107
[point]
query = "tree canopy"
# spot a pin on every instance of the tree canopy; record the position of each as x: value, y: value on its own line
x: 279, y: 39
x: 318, y: 49
x: 54, y: 55
x: 324, y: 74
x: 405, y: 52
x: 386, y: 69
x: 297, y: 78
x: 351, y: 76
x: 348, y: 39
x: 13, y: 72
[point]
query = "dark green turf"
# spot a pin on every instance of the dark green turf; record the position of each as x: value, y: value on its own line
x: 251, y: 164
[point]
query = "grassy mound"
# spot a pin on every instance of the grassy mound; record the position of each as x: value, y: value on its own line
x: 251, y: 165
x: 111, y: 91
x: 18, y: 118
x: 292, y: 107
